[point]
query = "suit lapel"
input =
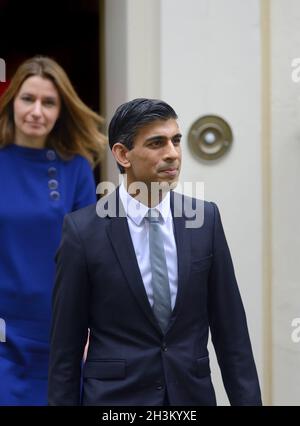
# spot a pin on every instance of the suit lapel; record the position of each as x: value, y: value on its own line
x: 182, y: 239
x: 119, y: 235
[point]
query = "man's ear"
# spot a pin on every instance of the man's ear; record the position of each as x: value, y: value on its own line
x: 119, y: 151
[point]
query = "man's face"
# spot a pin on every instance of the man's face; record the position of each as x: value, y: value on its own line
x: 156, y: 154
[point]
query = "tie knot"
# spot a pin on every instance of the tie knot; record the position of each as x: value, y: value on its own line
x: 153, y: 215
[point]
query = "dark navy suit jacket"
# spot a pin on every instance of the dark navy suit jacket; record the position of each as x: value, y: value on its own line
x: 130, y: 361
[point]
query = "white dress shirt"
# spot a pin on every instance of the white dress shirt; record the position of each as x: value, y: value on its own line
x: 139, y: 231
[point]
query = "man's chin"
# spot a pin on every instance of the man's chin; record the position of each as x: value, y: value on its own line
x: 166, y: 185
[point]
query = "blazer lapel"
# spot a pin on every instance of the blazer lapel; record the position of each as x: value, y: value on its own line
x: 119, y: 235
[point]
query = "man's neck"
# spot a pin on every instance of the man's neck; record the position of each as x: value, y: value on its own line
x: 146, y: 195
x: 150, y: 194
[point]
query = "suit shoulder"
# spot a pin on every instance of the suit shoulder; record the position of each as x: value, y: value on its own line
x: 83, y: 217
x: 197, y: 212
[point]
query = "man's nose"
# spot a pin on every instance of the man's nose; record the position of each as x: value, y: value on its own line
x: 171, y: 151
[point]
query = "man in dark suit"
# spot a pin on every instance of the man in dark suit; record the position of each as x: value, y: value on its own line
x: 148, y: 279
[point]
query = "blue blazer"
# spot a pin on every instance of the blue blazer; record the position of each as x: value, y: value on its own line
x: 130, y: 361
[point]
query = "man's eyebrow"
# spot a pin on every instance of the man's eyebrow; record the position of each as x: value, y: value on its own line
x: 161, y: 137
x: 178, y: 135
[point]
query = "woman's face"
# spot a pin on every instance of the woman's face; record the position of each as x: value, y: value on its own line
x: 36, y: 108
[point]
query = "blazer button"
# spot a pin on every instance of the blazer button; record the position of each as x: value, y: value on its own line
x: 54, y: 195
x: 53, y: 184
x: 159, y: 387
x: 51, y: 156
x: 52, y: 172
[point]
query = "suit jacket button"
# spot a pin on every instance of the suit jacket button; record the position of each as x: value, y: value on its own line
x: 164, y: 347
x: 159, y: 387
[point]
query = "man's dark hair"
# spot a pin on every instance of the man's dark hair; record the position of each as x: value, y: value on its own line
x: 131, y: 116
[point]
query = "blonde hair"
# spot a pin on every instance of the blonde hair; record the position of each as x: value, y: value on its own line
x: 76, y: 131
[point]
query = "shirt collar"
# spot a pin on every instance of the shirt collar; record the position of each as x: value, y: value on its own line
x: 136, y: 210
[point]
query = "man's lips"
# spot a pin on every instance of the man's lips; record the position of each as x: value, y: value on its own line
x: 172, y: 171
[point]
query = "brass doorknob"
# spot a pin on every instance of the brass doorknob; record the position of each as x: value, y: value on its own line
x: 210, y: 137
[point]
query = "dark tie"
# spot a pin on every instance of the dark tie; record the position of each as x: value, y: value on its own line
x: 160, y: 281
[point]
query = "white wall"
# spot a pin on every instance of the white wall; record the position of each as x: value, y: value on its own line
x: 285, y: 158
x: 210, y: 63
x: 205, y: 59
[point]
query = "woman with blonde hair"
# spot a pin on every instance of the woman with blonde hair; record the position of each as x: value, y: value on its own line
x: 49, y: 142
